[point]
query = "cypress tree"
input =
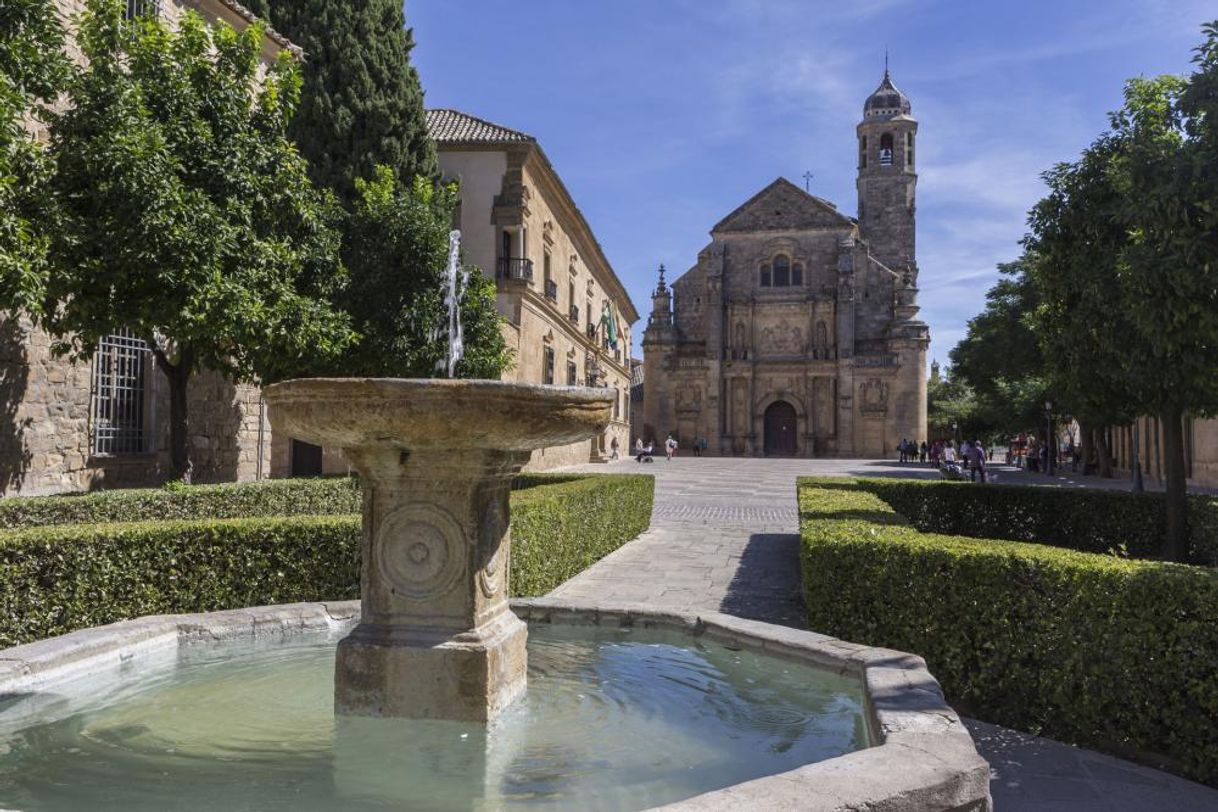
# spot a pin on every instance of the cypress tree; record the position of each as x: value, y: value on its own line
x: 361, y: 104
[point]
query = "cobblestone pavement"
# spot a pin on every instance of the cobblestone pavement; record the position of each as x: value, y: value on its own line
x: 724, y: 537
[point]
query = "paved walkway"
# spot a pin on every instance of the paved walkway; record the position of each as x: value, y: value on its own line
x: 724, y: 537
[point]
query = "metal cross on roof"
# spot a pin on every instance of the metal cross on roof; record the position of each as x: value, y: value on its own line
x: 808, y: 181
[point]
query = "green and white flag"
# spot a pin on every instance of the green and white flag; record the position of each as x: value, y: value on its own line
x: 610, y: 325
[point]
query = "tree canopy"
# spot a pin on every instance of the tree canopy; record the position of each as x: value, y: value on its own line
x: 361, y: 104
x: 32, y: 71
x: 183, y: 213
x: 396, y: 253
x: 1000, y: 358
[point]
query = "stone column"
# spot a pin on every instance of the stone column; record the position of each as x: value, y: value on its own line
x: 436, y: 639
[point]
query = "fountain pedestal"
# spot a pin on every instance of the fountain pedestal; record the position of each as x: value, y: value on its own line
x: 435, y: 616
x: 436, y: 638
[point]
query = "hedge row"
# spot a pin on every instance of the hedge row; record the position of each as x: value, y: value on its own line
x: 1115, y: 522
x: 1113, y: 653
x: 56, y: 579
x: 273, y: 497
x: 559, y: 530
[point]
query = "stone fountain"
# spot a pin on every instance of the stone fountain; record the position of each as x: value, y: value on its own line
x: 436, y: 638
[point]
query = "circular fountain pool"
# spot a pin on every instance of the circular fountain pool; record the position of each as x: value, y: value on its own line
x: 613, y: 719
x: 626, y: 709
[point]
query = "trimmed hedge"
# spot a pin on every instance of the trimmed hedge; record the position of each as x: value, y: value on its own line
x: 274, y: 497
x: 58, y: 578
x: 1126, y: 524
x: 1116, y: 654
x: 559, y: 530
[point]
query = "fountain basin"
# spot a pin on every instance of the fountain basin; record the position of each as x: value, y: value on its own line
x: 450, y: 415
x: 920, y: 756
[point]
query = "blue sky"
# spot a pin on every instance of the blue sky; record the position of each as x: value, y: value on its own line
x: 662, y: 116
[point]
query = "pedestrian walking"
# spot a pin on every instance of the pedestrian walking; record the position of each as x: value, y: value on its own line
x: 977, y: 469
x: 922, y: 452
x: 670, y: 447
x: 613, y: 449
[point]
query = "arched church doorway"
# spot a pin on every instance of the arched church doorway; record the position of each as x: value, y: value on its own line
x: 780, y: 428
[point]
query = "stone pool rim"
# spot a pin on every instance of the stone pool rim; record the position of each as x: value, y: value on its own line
x: 922, y: 757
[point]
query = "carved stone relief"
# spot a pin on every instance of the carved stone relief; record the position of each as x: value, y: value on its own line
x: 873, y: 396
x: 782, y: 338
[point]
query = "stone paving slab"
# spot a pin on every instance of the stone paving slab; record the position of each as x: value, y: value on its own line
x: 724, y: 537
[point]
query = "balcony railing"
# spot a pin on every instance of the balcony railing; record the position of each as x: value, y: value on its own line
x: 551, y: 290
x: 514, y: 268
x: 574, y: 314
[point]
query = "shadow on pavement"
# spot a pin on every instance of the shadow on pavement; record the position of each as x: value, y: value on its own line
x: 767, y: 584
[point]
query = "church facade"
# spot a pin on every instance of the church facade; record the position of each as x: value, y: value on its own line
x: 796, y: 333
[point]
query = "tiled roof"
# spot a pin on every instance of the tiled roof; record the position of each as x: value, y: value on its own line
x: 249, y: 16
x: 455, y: 127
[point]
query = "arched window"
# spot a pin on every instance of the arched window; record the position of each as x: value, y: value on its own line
x: 765, y: 275
x: 782, y: 271
x: 909, y: 150
x: 863, y: 153
x: 797, y: 275
x: 886, y: 149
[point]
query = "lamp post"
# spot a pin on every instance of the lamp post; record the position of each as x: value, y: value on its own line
x: 956, y: 432
x: 1050, y: 442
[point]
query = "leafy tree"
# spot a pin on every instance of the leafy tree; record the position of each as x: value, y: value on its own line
x: 951, y: 410
x: 362, y: 104
x: 1083, y: 319
x: 32, y: 71
x: 1000, y: 358
x: 1165, y: 174
x: 183, y: 211
x: 396, y: 254
x: 1127, y: 254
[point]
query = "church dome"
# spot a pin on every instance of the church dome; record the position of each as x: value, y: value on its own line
x: 887, y: 100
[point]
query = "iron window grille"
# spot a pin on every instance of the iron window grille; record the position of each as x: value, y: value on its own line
x: 142, y: 8
x: 118, y: 406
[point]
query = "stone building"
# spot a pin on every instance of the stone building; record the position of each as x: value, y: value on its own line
x: 556, y: 290
x: 1200, y: 451
x: 67, y: 427
x: 796, y: 332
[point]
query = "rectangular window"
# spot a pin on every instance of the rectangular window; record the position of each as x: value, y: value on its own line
x: 765, y: 276
x: 797, y: 275
x: 572, y: 374
x: 118, y: 400
x: 142, y: 8
x: 617, y: 404
x: 547, y: 375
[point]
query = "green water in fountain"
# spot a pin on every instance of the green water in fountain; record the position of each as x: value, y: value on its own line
x: 613, y: 720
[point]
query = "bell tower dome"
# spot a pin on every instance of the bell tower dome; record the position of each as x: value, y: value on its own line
x: 887, y: 179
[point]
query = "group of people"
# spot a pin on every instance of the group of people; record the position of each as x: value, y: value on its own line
x: 643, y: 453
x: 970, y: 459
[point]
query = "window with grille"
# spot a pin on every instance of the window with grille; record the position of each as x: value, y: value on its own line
x: 572, y: 374
x: 118, y: 402
x: 547, y: 375
x: 142, y: 8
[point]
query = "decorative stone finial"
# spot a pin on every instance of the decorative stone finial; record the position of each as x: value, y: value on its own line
x: 660, y: 288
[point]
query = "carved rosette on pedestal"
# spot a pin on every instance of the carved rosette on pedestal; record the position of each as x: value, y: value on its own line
x: 436, y: 638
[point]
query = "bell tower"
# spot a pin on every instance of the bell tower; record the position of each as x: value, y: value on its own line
x: 887, y: 178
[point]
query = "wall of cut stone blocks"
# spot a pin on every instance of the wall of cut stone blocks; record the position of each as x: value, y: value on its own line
x: 45, y: 439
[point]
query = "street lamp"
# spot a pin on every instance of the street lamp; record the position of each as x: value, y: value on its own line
x: 956, y: 432
x: 1050, y: 442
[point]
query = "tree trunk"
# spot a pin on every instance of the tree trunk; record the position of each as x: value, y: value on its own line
x: 178, y: 376
x: 1175, y: 544
x: 1103, y: 454
x: 1086, y: 447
